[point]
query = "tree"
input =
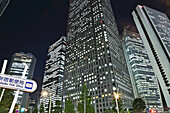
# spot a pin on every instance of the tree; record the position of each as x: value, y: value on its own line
x: 42, y: 108
x: 69, y: 107
x: 138, y: 105
x: 58, y: 108
x: 6, y: 100
x: 35, y: 110
x: 85, y: 101
x: 120, y: 105
x: 108, y: 111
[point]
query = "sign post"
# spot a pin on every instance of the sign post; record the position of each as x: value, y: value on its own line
x: 2, y: 72
x: 15, y: 83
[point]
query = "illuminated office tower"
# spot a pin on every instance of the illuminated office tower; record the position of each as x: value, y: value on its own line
x: 53, y: 76
x: 16, y: 68
x: 144, y: 81
x: 94, y: 55
x: 154, y: 29
x: 3, y: 5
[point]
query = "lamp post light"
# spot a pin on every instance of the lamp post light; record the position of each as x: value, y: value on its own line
x: 116, y: 96
x: 45, y: 94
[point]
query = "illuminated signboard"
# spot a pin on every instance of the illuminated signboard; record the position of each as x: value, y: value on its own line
x: 10, y: 82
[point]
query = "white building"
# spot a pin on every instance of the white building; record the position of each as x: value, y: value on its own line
x: 16, y: 68
x: 54, y: 70
x: 154, y: 28
x: 144, y: 81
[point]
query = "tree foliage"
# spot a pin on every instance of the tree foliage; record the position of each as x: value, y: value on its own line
x: 58, y: 108
x: 69, y: 107
x: 138, y: 105
x: 6, y: 100
x: 120, y: 105
x: 85, y: 98
x: 42, y: 108
x: 35, y: 110
x: 108, y: 111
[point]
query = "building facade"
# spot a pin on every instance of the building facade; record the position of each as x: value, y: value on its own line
x: 54, y: 70
x: 144, y: 81
x: 16, y: 68
x: 94, y: 55
x: 3, y: 5
x: 154, y: 28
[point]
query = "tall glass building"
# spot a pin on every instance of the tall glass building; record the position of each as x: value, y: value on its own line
x: 94, y: 55
x: 3, y: 5
x: 16, y: 68
x: 53, y: 76
x: 154, y: 28
x: 144, y: 81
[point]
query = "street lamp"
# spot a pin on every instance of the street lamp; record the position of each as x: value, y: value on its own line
x: 116, y: 96
x: 45, y: 94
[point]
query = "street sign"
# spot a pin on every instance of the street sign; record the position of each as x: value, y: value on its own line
x: 11, y: 82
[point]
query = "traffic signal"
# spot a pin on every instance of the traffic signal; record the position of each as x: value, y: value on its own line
x: 26, y: 109
x: 22, y: 109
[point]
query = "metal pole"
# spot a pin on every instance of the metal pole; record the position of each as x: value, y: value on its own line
x: 2, y: 72
x: 4, y: 66
x: 17, y: 92
x: 117, y: 106
x: 50, y: 105
x: 84, y: 103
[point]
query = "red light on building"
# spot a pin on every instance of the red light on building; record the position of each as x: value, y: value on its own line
x: 140, y: 6
x: 152, y: 111
x: 101, y: 21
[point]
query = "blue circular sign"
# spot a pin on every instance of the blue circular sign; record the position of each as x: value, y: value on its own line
x: 17, y: 111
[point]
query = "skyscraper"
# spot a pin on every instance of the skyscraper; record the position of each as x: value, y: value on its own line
x: 16, y: 68
x: 144, y: 81
x: 94, y: 55
x: 154, y: 28
x: 3, y: 5
x: 54, y: 70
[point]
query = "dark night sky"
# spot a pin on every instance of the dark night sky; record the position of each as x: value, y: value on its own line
x: 32, y: 25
